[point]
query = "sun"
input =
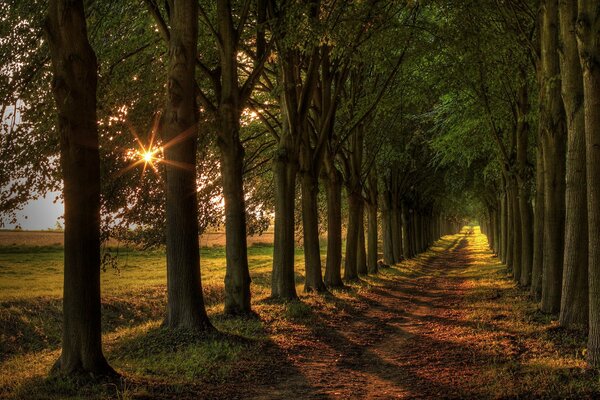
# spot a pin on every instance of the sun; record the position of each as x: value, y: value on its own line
x: 147, y: 156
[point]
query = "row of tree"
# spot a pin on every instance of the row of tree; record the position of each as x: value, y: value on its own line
x: 259, y: 94
x: 549, y: 239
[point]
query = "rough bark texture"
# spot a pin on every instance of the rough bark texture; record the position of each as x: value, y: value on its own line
x: 333, y: 266
x: 228, y: 111
x: 74, y: 81
x: 310, y: 225
x: 372, y: 238
x: 185, y: 305
x: 388, y: 237
x: 361, y: 257
x: 405, y: 237
x: 350, y: 261
x: 237, y: 275
x: 517, y: 239
x: 523, y: 182
x: 588, y: 34
x: 552, y: 120
x: 574, y: 299
x: 538, y: 227
x: 283, y: 285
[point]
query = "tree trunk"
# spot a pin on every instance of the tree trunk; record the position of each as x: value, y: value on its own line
x: 350, y: 262
x: 185, y: 304
x: 574, y: 298
x: 74, y: 81
x: 517, y: 236
x: 503, y: 227
x: 510, y: 231
x: 538, y: 226
x: 361, y: 258
x: 333, y: 266
x: 285, y: 168
x: 523, y: 181
x: 237, y: 275
x: 588, y: 26
x: 310, y: 224
x: 405, y: 237
x: 372, y: 238
x: 396, y: 234
x: 553, y: 143
x: 388, y: 236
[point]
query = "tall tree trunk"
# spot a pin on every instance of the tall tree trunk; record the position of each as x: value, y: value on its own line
x: 552, y: 120
x: 350, y: 262
x: 310, y: 224
x: 588, y: 28
x: 405, y: 236
x: 372, y: 236
x: 361, y: 257
x: 510, y: 231
x: 523, y: 182
x: 285, y: 168
x: 388, y: 236
x: 503, y: 227
x: 228, y: 111
x: 333, y: 266
x: 185, y: 304
x: 517, y: 237
x: 574, y: 298
x: 396, y: 231
x: 538, y: 225
x: 74, y: 81
x: 237, y: 275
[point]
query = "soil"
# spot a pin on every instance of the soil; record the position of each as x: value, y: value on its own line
x: 402, y: 340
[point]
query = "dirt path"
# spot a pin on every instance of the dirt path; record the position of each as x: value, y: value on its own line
x: 401, y: 340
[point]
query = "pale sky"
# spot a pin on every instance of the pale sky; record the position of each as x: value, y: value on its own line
x: 41, y: 214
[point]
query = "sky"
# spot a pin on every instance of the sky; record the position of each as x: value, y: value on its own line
x: 38, y: 214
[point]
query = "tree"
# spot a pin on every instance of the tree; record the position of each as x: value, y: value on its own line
x: 588, y: 25
x: 179, y: 129
x: 74, y: 70
x: 553, y: 138
x: 574, y: 298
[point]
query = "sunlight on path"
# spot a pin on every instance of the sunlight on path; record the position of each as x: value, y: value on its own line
x: 446, y: 325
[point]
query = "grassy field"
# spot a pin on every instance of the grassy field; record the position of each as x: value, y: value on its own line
x: 133, y: 304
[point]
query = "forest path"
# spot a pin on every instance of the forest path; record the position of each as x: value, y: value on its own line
x: 407, y: 338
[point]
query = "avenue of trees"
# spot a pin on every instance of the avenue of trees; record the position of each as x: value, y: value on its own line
x: 372, y: 122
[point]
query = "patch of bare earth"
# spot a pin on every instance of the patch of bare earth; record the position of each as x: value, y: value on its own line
x: 399, y: 340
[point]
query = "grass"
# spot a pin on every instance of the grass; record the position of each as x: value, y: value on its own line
x: 528, y: 355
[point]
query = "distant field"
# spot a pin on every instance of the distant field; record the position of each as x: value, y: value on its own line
x: 28, y: 271
x: 50, y: 238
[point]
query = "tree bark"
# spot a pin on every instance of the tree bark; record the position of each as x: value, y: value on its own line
x: 228, y: 112
x: 74, y: 83
x: 574, y: 298
x: 538, y: 225
x: 333, y: 266
x: 388, y: 236
x: 588, y: 28
x: 405, y: 236
x: 237, y: 275
x: 517, y: 235
x: 361, y: 257
x: 523, y: 182
x: 372, y: 237
x: 553, y: 142
x: 350, y: 262
x: 285, y: 168
x: 310, y: 223
x: 185, y: 304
